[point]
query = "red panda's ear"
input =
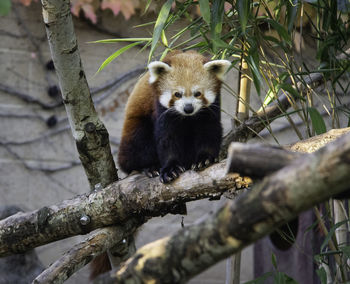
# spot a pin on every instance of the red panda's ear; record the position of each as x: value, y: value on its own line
x: 156, y: 69
x: 218, y: 68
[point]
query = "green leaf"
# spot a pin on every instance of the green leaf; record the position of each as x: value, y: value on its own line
x: 205, y: 10
x: 331, y: 232
x: 116, y: 54
x: 5, y: 7
x: 289, y: 89
x: 282, y: 278
x: 345, y: 250
x: 280, y: 30
x: 253, y: 63
x: 164, y: 39
x: 274, y: 260
x: 292, y: 8
x: 217, y: 14
x: 158, y: 27
x: 317, y: 121
x: 243, y: 9
x: 114, y: 40
x: 321, y: 273
x: 147, y: 6
x: 261, y: 279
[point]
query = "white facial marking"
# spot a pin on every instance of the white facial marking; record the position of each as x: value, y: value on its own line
x: 210, y: 96
x: 195, y: 89
x: 165, y: 98
x: 180, y: 105
x: 155, y: 69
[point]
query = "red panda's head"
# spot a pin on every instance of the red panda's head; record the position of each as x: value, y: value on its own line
x: 187, y: 82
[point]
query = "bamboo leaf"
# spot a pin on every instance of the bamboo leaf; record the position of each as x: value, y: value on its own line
x: 164, y: 39
x: 288, y: 88
x: 292, y: 8
x: 217, y: 14
x: 5, y: 7
x: 321, y: 273
x: 114, y: 40
x: 274, y: 260
x: 159, y: 25
x: 282, y: 278
x: 330, y: 233
x: 260, y: 280
x: 317, y: 121
x: 280, y: 30
x: 243, y: 9
x: 147, y: 6
x: 205, y: 10
x: 116, y: 54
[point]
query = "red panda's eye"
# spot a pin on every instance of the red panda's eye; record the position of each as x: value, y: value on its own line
x: 197, y: 94
x: 178, y: 95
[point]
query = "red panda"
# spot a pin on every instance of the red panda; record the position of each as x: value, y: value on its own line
x: 172, y: 117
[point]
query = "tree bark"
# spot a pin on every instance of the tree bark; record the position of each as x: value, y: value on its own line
x: 136, y: 196
x: 82, y: 253
x: 305, y: 182
x: 88, y: 131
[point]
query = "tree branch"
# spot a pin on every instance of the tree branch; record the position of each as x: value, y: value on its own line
x: 305, y: 182
x: 89, y: 132
x: 250, y: 159
x: 82, y: 253
x: 136, y: 196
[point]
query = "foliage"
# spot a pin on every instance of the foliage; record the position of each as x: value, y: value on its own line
x: 5, y: 7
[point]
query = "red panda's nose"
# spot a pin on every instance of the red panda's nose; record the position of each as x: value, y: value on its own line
x: 188, y: 108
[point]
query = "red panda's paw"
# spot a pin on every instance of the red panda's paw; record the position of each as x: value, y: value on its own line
x: 168, y: 174
x: 151, y: 172
x: 203, y: 162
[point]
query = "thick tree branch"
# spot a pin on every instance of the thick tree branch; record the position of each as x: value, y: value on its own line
x: 89, y: 132
x: 281, y: 196
x: 250, y: 159
x: 134, y: 196
x: 82, y: 253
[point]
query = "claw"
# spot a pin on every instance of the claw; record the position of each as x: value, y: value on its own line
x: 182, y: 169
x: 174, y: 174
x: 207, y: 162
